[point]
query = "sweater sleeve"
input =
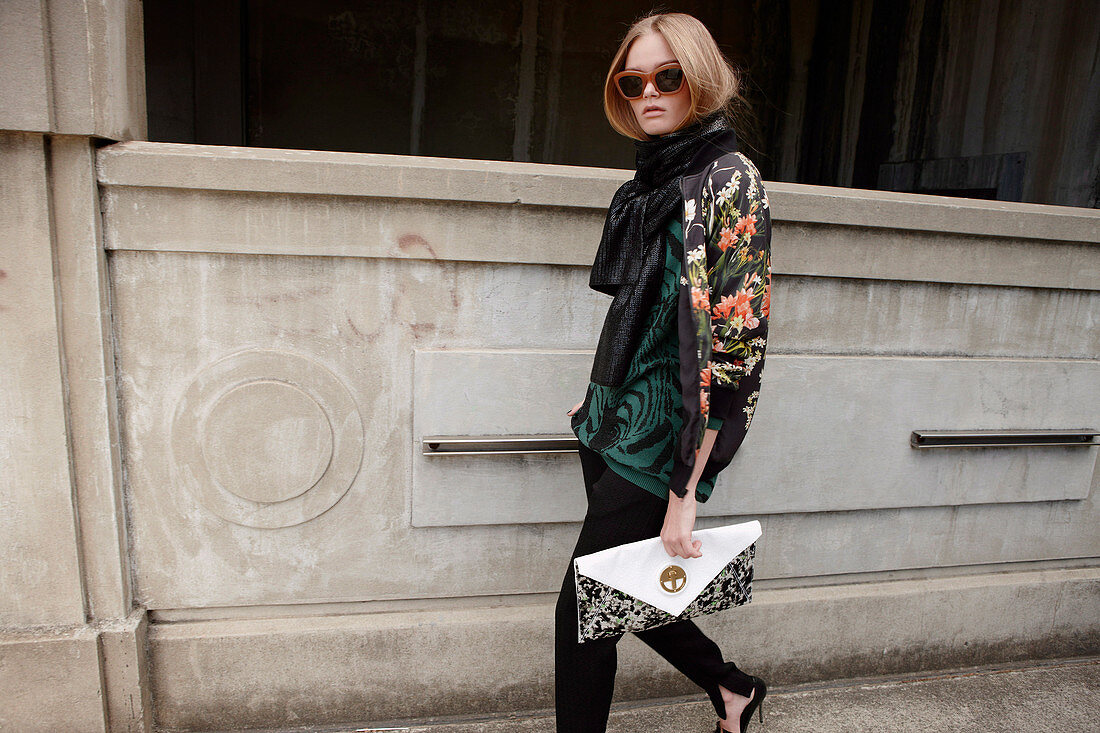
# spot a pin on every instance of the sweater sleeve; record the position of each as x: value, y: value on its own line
x: 738, y: 235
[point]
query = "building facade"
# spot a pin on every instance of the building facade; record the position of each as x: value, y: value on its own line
x: 227, y: 369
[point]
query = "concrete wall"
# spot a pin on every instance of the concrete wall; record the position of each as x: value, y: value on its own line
x: 72, y: 643
x: 289, y: 325
x: 218, y: 365
x: 71, y: 67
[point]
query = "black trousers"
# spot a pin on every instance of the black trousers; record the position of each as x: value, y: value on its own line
x: 584, y: 674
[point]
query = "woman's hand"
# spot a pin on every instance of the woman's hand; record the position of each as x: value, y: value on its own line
x: 575, y: 408
x: 679, y: 521
x: 680, y: 515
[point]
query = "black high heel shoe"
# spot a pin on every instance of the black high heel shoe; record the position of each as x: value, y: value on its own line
x: 760, y: 691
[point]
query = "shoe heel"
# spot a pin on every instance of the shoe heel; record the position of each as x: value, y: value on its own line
x: 760, y: 691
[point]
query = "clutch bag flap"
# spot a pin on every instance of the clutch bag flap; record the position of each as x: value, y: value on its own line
x: 645, y: 571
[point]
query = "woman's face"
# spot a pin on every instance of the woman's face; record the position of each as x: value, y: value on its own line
x: 646, y: 53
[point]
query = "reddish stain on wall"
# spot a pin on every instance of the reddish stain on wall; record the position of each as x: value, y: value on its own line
x: 407, y: 242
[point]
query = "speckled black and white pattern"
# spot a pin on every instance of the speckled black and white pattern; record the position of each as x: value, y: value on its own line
x: 605, y: 611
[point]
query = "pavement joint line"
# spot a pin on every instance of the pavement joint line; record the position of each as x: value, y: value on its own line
x: 874, y: 680
x: 397, y: 726
x: 930, y: 675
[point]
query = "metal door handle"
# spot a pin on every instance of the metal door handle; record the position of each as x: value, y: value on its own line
x: 1001, y: 438
x: 487, y: 445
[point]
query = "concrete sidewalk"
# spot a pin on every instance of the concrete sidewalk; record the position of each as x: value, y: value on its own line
x: 1059, y: 695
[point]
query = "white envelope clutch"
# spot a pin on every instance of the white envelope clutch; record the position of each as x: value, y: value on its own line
x: 638, y: 586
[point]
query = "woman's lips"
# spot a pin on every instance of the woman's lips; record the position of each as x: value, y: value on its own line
x: 652, y: 111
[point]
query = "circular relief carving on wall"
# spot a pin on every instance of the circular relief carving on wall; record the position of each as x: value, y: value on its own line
x: 267, y: 439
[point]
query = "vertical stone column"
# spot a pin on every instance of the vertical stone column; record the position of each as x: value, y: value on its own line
x: 72, y: 645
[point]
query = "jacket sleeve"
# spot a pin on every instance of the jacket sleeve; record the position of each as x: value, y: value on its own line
x: 737, y: 222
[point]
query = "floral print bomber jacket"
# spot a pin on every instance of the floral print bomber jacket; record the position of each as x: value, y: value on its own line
x: 724, y: 303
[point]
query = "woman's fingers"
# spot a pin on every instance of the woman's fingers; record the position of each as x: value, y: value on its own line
x: 691, y: 547
x: 683, y: 547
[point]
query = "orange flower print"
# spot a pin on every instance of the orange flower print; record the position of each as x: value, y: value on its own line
x: 700, y: 298
x: 741, y: 303
x: 704, y: 375
x: 704, y: 401
x: 766, y: 306
x: 725, y: 305
x: 743, y: 308
x: 728, y: 239
x: 745, y: 225
x: 717, y: 345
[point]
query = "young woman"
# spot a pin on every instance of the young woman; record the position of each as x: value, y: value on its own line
x: 686, y: 254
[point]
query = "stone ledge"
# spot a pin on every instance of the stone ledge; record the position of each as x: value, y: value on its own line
x: 164, y: 197
x: 271, y: 672
x: 223, y: 168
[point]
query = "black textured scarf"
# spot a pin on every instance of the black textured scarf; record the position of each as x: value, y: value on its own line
x: 630, y: 259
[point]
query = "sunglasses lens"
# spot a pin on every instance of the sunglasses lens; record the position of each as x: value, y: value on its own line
x: 669, y: 80
x: 631, y: 85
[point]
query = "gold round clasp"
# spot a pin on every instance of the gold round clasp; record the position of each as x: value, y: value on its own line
x: 673, y: 579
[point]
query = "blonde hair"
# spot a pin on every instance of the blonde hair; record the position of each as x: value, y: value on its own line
x: 714, y: 82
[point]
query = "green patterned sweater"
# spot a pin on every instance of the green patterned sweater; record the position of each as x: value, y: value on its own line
x: 635, y: 425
